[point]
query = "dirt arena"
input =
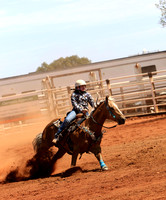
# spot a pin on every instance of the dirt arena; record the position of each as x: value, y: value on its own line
x: 135, y: 154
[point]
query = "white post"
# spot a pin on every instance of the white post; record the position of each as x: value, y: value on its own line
x: 153, y: 92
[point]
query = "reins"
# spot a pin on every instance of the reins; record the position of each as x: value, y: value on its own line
x: 101, y: 124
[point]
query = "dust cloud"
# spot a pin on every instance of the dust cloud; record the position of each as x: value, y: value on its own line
x: 17, y: 157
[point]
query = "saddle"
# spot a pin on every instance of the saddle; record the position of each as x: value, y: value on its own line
x: 80, y: 116
x: 73, y: 126
x: 64, y: 135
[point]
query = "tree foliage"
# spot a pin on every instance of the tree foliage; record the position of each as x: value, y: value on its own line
x: 63, y: 63
x: 162, y: 6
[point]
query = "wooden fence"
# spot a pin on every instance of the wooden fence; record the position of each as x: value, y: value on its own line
x: 135, y: 95
x: 20, y: 109
x: 145, y: 95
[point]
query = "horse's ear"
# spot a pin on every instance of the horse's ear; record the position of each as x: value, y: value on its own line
x: 106, y: 99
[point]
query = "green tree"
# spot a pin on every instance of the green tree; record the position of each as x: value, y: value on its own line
x: 64, y: 63
x: 43, y: 68
x: 162, y: 6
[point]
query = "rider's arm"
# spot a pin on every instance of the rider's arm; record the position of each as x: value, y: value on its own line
x: 75, y: 105
x: 90, y: 100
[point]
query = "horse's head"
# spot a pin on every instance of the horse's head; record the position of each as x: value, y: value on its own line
x: 113, y: 112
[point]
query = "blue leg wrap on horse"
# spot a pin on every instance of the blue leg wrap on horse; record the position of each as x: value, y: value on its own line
x: 102, y: 164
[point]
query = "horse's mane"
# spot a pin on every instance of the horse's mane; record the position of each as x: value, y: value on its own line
x: 101, y: 101
x: 96, y: 106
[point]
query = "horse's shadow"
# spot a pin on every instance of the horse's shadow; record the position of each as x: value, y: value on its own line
x: 13, y: 177
x: 69, y: 172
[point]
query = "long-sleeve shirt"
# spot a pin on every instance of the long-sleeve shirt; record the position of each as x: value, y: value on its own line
x: 80, y: 101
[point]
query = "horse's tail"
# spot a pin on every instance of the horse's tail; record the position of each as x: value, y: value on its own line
x: 37, y: 143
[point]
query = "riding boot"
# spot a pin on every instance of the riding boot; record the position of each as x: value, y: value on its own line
x: 64, y: 125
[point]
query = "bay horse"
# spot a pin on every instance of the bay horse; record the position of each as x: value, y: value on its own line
x: 85, y: 137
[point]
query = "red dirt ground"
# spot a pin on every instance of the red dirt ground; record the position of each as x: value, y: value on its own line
x: 135, y: 154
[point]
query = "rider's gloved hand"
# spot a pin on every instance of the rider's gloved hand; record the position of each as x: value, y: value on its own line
x: 84, y: 111
x: 86, y: 114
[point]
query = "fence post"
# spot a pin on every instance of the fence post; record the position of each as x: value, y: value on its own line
x: 69, y: 95
x: 51, y: 102
x: 122, y: 97
x: 153, y: 92
x: 101, y: 84
x: 108, y: 87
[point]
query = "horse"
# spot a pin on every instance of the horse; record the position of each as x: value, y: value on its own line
x: 82, y: 137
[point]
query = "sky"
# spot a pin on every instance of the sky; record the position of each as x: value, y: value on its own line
x: 37, y: 31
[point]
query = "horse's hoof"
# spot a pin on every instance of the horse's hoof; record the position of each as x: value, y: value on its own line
x: 104, y: 168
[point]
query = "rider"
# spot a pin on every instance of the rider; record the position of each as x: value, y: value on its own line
x: 79, y: 99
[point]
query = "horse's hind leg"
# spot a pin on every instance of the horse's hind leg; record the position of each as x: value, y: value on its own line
x: 74, y: 159
x: 102, y: 164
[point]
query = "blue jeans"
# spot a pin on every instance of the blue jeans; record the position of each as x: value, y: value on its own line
x: 69, y: 118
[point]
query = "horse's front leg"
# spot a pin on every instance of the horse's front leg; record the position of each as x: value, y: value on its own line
x: 59, y: 154
x: 100, y: 159
x: 96, y: 150
x: 74, y: 159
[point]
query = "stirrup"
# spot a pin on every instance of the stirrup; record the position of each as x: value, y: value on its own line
x: 57, y: 138
x: 55, y: 141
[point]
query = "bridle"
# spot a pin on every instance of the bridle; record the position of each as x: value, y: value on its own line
x: 110, y: 112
